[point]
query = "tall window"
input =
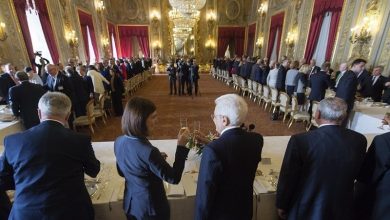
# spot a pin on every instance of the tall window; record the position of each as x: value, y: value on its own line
x: 92, y: 56
x: 37, y: 37
x: 114, y: 53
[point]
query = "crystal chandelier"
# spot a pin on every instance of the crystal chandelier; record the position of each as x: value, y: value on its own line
x: 187, y: 4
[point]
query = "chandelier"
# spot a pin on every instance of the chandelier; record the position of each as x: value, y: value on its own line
x: 183, y: 5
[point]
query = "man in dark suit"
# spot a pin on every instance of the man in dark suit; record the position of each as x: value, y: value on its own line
x: 319, y: 168
x: 6, y: 82
x: 364, y: 83
x: 47, y: 165
x: 194, y: 72
x: 228, y: 166
x: 281, y: 79
x: 372, y: 200
x: 24, y: 100
x: 313, y: 68
x: 348, y: 83
x: 319, y: 82
x: 342, y: 69
x: 376, y: 84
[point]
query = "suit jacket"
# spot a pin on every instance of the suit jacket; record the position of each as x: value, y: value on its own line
x: 281, y: 80
x: 144, y: 169
x: 6, y: 83
x: 62, y: 84
x: 376, y: 90
x: 373, y: 192
x: 364, y: 83
x: 47, y: 164
x: 346, y: 89
x: 314, y: 70
x: 319, y: 82
x: 5, y: 205
x: 227, y: 171
x: 318, y: 172
x: 24, y: 100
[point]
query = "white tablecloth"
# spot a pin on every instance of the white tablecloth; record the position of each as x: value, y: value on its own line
x: 366, y: 119
x: 7, y: 128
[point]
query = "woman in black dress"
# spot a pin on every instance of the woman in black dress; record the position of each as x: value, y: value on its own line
x: 117, y: 90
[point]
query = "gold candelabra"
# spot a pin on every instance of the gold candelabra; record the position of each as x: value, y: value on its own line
x: 73, y: 41
x: 3, y: 33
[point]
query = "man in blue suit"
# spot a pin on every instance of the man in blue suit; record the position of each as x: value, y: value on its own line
x: 319, y: 168
x: 228, y: 166
x: 319, y: 82
x: 46, y: 165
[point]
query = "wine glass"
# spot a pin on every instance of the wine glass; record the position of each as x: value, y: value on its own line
x: 183, y: 122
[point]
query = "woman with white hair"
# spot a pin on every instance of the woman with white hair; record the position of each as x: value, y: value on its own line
x: 229, y: 162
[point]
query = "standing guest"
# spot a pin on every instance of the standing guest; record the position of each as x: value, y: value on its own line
x: 183, y: 69
x: 342, y: 69
x: 117, y: 89
x: 87, y: 80
x: 42, y: 62
x: 259, y: 71
x: 386, y: 92
x: 189, y: 78
x: 172, y: 79
x: 377, y: 84
x: 81, y: 94
x: 266, y: 69
x: 6, y: 82
x: 97, y: 80
x: 281, y: 80
x: 319, y: 82
x: 347, y: 86
x: 24, y: 100
x: 364, y: 83
x: 33, y: 76
x: 57, y: 82
x: 319, y: 168
x: 372, y: 187
x: 290, y: 78
x: 313, y: 68
x: 47, y: 164
x: 301, y: 82
x: 228, y: 165
x: 273, y: 74
x: 194, y: 69
x: 255, y: 70
x: 143, y: 166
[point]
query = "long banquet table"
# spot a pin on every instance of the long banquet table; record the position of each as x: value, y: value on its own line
x: 108, y: 198
x: 366, y: 118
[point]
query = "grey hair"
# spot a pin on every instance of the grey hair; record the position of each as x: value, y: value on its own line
x: 333, y: 109
x: 233, y: 107
x: 54, y: 104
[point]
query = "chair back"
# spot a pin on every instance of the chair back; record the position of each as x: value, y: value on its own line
x: 266, y: 91
x: 259, y: 89
x: 274, y: 94
x: 284, y: 99
x: 90, y: 111
x: 314, y: 108
x: 254, y: 87
x: 249, y: 84
x: 294, y: 103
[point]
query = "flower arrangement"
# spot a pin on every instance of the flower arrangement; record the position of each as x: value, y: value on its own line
x: 198, y: 147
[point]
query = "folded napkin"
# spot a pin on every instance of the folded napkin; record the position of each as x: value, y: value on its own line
x: 175, y: 190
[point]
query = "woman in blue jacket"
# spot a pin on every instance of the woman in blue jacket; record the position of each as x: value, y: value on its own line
x: 142, y: 164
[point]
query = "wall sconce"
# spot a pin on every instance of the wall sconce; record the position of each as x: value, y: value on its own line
x: 100, y: 6
x: 263, y: 8
x: 362, y: 33
x: 211, y: 18
x: 105, y: 42
x: 291, y: 38
x: 210, y: 44
x: 3, y: 34
x: 73, y: 41
x: 156, y: 45
x: 259, y: 42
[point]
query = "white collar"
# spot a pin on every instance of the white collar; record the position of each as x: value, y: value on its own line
x: 228, y: 128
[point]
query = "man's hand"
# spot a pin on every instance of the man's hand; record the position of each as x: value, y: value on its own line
x: 282, y: 214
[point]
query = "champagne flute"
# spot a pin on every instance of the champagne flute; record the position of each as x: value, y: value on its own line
x: 183, y: 122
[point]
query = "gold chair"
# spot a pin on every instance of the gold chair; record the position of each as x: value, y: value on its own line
x: 295, y: 114
x: 274, y: 99
x: 99, y: 111
x: 313, y: 111
x: 86, y: 120
x: 284, y: 104
x: 265, y: 96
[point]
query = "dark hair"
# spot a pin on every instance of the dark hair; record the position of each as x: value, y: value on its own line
x: 92, y: 67
x: 325, y: 66
x: 357, y: 61
x: 134, y: 117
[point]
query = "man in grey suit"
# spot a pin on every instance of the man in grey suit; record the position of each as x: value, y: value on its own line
x: 319, y: 168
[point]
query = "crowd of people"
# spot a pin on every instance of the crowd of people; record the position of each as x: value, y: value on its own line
x: 295, y: 77
x: 326, y: 173
x: 22, y: 89
x: 186, y: 72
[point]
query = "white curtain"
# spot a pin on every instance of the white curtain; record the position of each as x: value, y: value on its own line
x: 322, y: 44
x: 92, y: 56
x: 274, y: 55
x: 227, y: 52
x: 114, y: 53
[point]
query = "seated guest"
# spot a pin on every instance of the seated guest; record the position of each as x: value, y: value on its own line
x: 290, y: 77
x: 301, y: 84
x: 33, y: 76
x: 228, y: 165
x: 47, y: 165
x: 319, y: 168
x: 377, y: 84
x: 142, y: 164
x: 6, y: 82
x: 372, y: 187
x: 273, y: 74
x: 24, y: 100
